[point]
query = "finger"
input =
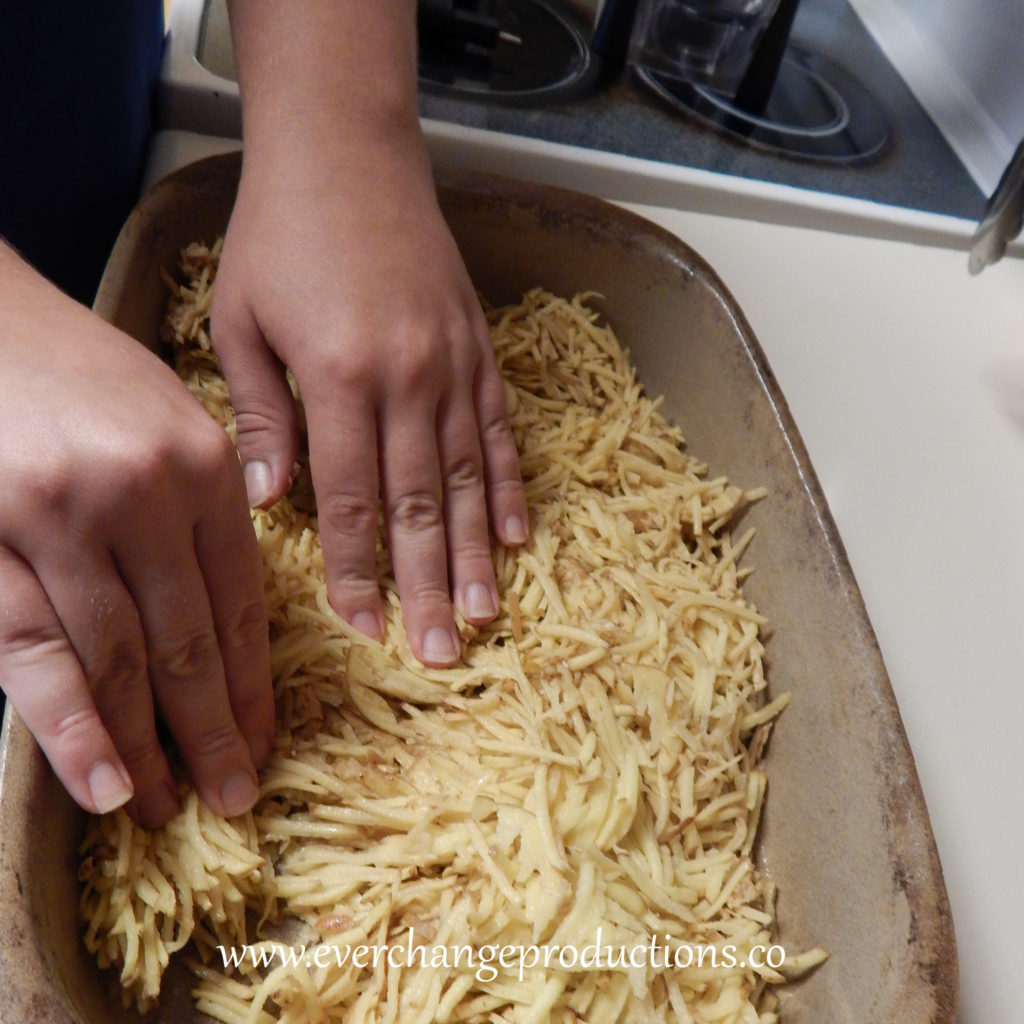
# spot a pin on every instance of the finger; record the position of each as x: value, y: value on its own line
x: 45, y: 683
x: 232, y: 569
x: 413, y: 512
x: 268, y: 437
x: 506, y: 496
x: 343, y: 457
x: 102, y: 624
x: 185, y: 667
x: 465, y: 514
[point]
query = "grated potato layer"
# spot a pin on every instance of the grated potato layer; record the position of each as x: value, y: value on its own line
x: 593, y: 762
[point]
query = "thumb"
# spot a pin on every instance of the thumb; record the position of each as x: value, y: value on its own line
x: 268, y: 439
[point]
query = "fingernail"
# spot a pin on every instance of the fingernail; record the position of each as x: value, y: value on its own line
x: 438, y: 646
x: 238, y: 793
x: 260, y: 748
x: 159, y: 806
x: 515, y: 530
x: 108, y: 787
x: 258, y: 483
x: 479, y: 603
x: 367, y: 623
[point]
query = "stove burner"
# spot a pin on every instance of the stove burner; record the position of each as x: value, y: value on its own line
x: 513, y: 51
x: 816, y: 110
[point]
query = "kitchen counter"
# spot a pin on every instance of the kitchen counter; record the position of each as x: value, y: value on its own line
x: 905, y: 377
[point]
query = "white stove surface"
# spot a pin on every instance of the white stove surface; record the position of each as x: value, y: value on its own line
x: 906, y: 379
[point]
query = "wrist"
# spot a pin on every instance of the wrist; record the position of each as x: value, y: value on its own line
x: 27, y: 297
x: 332, y: 133
x: 383, y: 163
x: 325, y: 74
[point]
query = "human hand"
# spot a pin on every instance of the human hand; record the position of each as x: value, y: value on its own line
x: 338, y: 265
x: 130, y: 577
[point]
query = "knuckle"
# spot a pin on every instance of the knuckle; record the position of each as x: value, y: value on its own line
x: 263, y: 420
x: 416, y: 511
x: 143, y: 473
x: 344, y: 365
x: 348, y: 590
x: 247, y: 705
x: 424, y: 597
x: 464, y: 474
x: 492, y: 407
x: 416, y: 372
x: 119, y: 670
x: 461, y: 333
x: 421, y: 362
x: 349, y: 365
x: 248, y: 627
x: 74, y: 726
x: 33, y: 641
x: 494, y: 425
x: 53, y: 493
x: 348, y: 514
x: 182, y: 659
x: 143, y: 757
x: 212, y: 451
x: 474, y: 553
x: 215, y: 739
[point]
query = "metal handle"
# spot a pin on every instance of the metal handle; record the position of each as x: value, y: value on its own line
x: 1003, y: 218
x: 756, y: 88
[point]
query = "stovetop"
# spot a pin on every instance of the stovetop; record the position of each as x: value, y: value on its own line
x: 917, y: 169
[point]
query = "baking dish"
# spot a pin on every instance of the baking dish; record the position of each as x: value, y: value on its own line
x: 846, y: 834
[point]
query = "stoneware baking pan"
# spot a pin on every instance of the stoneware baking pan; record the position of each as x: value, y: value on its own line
x: 846, y: 835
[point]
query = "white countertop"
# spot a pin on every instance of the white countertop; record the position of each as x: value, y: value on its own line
x: 906, y: 379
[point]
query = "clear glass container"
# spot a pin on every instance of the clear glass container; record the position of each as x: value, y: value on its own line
x: 707, y: 42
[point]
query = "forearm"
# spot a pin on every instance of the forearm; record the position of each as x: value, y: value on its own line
x: 16, y: 276
x: 33, y: 312
x: 320, y: 72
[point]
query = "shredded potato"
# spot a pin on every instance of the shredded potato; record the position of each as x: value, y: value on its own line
x: 593, y: 762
